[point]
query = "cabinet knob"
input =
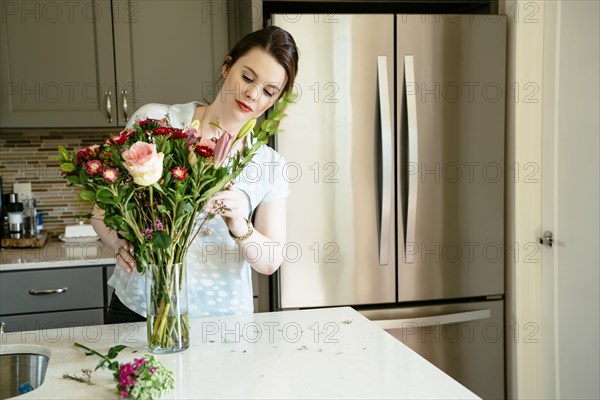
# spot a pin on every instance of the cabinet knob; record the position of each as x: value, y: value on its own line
x: 547, y: 239
x: 108, y: 107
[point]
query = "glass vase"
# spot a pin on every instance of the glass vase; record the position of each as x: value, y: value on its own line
x: 168, y: 326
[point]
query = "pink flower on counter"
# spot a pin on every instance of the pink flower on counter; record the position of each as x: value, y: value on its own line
x: 222, y: 147
x: 110, y: 174
x: 179, y: 173
x: 93, y: 167
x: 144, y: 163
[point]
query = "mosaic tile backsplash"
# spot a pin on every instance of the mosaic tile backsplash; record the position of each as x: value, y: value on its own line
x: 31, y: 156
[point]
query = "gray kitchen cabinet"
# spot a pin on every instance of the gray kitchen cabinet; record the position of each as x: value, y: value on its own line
x: 54, y: 320
x: 51, y: 298
x: 57, y: 64
x: 108, y: 290
x: 92, y: 63
x: 169, y: 51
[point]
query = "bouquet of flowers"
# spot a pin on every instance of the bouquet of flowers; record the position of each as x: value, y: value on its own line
x: 143, y: 378
x: 151, y: 181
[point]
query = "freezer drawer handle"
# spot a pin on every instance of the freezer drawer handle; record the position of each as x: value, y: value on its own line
x: 386, y: 160
x: 40, y: 292
x: 444, y: 319
x: 413, y: 155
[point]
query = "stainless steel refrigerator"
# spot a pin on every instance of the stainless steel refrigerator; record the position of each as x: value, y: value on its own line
x: 395, y: 158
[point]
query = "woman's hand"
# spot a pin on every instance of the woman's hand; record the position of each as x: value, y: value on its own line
x: 231, y: 204
x: 124, y: 257
x: 120, y: 246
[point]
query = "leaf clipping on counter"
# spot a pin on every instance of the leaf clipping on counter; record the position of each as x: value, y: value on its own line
x: 85, y: 378
x: 347, y: 321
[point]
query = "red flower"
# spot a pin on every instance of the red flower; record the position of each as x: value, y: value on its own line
x: 204, y: 151
x: 110, y: 174
x: 81, y: 155
x: 143, y: 122
x: 163, y: 131
x: 87, y: 154
x: 179, y: 173
x: 178, y: 134
x: 118, y: 140
x: 93, y: 167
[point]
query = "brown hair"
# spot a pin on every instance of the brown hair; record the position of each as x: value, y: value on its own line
x: 278, y: 43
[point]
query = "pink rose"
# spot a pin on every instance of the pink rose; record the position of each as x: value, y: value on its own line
x: 144, y: 163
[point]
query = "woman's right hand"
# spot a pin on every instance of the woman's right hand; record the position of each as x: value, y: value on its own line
x: 124, y: 257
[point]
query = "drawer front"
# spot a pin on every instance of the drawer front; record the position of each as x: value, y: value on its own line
x: 109, y: 289
x: 63, y: 319
x: 84, y: 289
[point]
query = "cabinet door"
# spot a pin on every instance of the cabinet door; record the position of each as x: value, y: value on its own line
x: 57, y: 64
x: 35, y: 291
x: 54, y: 320
x: 168, y: 52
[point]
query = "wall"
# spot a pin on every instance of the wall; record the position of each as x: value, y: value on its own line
x: 30, y: 156
x: 523, y: 196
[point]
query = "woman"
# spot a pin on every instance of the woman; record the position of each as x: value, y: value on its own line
x: 257, y: 71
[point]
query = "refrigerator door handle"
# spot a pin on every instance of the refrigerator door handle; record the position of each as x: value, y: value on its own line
x: 444, y: 319
x: 410, y: 91
x: 386, y: 160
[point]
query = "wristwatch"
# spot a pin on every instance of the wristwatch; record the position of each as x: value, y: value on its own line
x: 238, y: 239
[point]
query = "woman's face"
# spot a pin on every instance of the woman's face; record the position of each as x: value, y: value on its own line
x: 252, y: 84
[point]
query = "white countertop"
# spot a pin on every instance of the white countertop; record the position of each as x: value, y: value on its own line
x: 56, y: 254
x: 322, y: 353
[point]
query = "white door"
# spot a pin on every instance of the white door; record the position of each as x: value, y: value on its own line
x: 570, y: 200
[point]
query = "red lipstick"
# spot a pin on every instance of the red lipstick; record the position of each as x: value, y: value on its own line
x: 243, y: 106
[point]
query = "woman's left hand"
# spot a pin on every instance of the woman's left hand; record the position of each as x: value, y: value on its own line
x: 231, y: 204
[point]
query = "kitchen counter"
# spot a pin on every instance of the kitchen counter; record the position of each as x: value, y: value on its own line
x: 56, y: 254
x: 321, y: 353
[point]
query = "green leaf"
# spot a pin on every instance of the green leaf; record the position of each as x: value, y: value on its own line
x: 188, y: 208
x: 167, y: 148
x: 88, y: 195
x: 162, y: 209
x: 67, y: 167
x: 83, y: 177
x: 73, y: 180
x: 115, y: 350
x: 158, y: 187
x: 105, y: 196
x: 63, y: 152
x: 161, y: 240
